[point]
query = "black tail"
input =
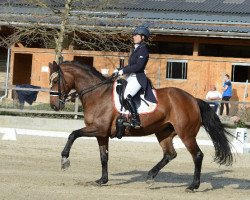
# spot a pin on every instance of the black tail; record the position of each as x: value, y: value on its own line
x: 212, y: 124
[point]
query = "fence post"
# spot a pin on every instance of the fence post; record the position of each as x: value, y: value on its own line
x: 76, y: 107
x: 159, y: 76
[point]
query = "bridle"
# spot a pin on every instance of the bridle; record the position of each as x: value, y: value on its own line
x: 64, y: 97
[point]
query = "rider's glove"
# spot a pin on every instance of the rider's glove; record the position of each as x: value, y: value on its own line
x: 118, y: 72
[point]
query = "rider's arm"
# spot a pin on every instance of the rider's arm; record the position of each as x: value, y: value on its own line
x: 142, y: 59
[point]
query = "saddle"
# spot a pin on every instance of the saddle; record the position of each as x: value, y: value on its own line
x: 120, y: 88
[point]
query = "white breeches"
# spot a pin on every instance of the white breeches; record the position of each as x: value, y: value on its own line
x: 133, y: 86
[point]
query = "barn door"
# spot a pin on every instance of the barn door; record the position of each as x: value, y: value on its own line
x: 22, y: 68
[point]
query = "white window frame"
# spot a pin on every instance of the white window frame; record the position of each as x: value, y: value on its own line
x: 184, y: 69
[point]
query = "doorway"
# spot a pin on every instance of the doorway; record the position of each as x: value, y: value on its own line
x: 22, y: 68
x: 85, y: 60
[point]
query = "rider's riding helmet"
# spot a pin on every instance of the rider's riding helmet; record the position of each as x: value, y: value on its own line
x: 141, y: 30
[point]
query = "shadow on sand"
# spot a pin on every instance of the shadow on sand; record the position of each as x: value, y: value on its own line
x: 218, y: 180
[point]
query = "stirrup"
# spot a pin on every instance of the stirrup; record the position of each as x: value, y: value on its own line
x: 120, y: 126
x: 135, y: 123
x: 136, y: 126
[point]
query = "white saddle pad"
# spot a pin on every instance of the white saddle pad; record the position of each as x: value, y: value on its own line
x: 143, y: 109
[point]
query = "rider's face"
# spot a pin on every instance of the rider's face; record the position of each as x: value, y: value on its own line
x: 137, y: 39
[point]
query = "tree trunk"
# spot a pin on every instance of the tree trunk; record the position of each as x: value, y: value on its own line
x: 61, y: 34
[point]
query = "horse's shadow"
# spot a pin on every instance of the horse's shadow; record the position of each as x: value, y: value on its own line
x: 218, y: 180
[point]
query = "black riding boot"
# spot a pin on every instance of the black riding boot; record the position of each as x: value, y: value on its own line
x: 135, y: 121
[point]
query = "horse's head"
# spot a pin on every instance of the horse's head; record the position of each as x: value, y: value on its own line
x: 70, y: 75
x: 59, y: 87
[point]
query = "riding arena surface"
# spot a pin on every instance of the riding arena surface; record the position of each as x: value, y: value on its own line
x: 30, y: 169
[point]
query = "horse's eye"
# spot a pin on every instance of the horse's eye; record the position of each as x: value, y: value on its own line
x: 55, y: 81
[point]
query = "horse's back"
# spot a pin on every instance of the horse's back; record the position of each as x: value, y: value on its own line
x: 175, y: 94
x: 182, y: 107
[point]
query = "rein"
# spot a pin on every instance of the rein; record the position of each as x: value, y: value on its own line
x: 73, y: 95
x: 92, y: 88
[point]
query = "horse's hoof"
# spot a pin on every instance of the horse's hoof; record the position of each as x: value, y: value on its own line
x: 192, y: 187
x: 189, y: 190
x: 150, y: 182
x: 101, y: 182
x: 94, y: 183
x: 65, y: 163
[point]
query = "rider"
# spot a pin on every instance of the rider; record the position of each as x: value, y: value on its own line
x: 136, y: 77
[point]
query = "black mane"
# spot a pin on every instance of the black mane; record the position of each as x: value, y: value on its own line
x: 93, y: 70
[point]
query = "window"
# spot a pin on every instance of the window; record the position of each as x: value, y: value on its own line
x: 218, y: 50
x: 171, y: 48
x: 176, y: 69
x: 240, y: 72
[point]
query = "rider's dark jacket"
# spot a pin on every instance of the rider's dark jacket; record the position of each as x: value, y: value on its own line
x: 136, y: 64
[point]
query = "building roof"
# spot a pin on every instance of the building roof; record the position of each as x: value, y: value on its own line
x: 197, y: 6
x: 215, y: 18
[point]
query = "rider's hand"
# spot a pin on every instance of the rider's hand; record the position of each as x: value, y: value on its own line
x: 120, y: 72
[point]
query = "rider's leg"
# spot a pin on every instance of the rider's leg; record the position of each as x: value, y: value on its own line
x: 133, y: 86
x: 135, y: 121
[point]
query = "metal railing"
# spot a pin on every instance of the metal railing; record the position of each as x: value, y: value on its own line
x: 11, y: 105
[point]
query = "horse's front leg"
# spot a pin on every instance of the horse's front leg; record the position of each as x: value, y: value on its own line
x: 87, y: 132
x: 103, y: 146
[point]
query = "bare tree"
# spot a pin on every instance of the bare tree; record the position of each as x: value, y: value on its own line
x: 65, y: 24
x: 61, y: 34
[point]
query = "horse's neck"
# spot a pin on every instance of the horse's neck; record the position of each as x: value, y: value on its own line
x: 82, y: 81
x: 97, y: 96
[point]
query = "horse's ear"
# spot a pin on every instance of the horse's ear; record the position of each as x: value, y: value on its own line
x: 53, y: 67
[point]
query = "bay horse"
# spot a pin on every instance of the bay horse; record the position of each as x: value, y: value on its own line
x: 177, y: 113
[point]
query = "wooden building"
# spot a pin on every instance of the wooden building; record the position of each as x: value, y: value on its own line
x: 194, y: 44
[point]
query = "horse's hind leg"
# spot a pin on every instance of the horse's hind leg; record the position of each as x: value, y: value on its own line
x: 197, y: 155
x: 166, y: 142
